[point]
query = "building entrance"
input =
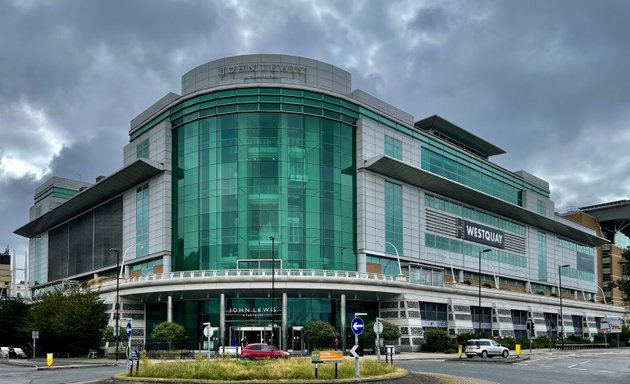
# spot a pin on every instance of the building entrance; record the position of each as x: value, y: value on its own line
x: 255, y: 334
x: 297, y: 339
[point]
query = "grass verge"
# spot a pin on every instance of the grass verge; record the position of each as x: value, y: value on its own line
x: 294, y: 369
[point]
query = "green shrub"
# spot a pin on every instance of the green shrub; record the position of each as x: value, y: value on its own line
x: 436, y: 340
x: 319, y: 334
x: 542, y: 342
x: 464, y: 337
x: 391, y: 332
x: 508, y: 342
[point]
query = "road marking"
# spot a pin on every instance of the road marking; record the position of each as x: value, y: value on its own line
x: 584, y: 362
x: 603, y: 371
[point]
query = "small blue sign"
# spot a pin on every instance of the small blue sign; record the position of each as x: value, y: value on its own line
x: 357, y: 326
x: 129, y: 329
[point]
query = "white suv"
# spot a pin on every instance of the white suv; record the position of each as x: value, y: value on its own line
x: 485, y: 348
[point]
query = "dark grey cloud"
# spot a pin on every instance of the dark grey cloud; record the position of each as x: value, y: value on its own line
x: 546, y: 81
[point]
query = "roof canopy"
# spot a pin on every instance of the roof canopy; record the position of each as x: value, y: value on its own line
x: 415, y: 176
x: 100, y: 192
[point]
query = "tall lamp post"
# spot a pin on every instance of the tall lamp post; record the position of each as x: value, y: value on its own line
x: 400, y: 275
x: 560, y: 295
x: 480, y: 312
x: 117, y: 315
x: 273, y: 292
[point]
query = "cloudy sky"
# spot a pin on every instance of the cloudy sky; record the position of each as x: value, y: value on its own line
x: 547, y: 81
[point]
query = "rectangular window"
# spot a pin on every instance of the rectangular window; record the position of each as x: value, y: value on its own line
x: 142, y: 221
x: 542, y: 256
x: 142, y: 150
x: 393, y: 148
x: 542, y: 207
x: 393, y: 218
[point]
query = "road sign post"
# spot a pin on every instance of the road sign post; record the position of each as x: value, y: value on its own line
x: 35, y: 336
x: 356, y: 326
x: 207, y: 331
x: 378, y: 329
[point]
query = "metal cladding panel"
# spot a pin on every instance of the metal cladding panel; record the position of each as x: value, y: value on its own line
x: 102, y: 191
x: 415, y: 176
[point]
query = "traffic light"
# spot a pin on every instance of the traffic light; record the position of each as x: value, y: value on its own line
x: 533, y: 325
x: 529, y: 326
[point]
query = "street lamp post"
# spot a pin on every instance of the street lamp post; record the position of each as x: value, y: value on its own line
x: 480, y: 312
x: 560, y: 295
x: 273, y: 292
x: 117, y: 315
x: 400, y: 275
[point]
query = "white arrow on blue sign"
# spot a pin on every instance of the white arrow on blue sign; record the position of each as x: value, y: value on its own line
x: 129, y: 329
x: 357, y: 325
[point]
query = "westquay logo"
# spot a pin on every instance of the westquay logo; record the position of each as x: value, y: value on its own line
x: 481, y: 234
x: 267, y: 67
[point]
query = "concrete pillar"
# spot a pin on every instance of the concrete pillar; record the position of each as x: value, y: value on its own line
x: 283, y: 331
x: 460, y: 276
x: 343, y: 321
x: 169, y: 308
x: 127, y: 272
x: 361, y: 262
x: 166, y: 264
x: 222, y: 320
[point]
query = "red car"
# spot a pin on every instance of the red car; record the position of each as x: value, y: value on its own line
x: 263, y: 351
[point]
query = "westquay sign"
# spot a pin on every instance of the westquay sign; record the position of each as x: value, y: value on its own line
x: 481, y: 234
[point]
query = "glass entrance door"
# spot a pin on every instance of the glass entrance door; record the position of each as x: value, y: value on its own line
x: 297, y: 339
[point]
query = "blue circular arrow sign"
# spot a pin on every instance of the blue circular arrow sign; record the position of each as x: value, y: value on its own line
x: 357, y: 326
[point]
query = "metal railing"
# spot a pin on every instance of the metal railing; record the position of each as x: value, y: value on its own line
x: 262, y: 272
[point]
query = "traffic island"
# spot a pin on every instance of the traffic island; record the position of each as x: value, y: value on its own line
x: 299, y: 370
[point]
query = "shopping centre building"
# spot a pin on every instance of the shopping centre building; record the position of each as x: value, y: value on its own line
x: 269, y: 193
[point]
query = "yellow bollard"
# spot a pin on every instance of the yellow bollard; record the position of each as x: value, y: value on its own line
x: 459, y: 351
x: 49, y: 359
x: 518, y: 350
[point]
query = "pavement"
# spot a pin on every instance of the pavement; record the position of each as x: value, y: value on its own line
x: 65, y: 363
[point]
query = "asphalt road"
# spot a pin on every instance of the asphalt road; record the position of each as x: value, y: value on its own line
x: 29, y: 375
x: 581, y: 367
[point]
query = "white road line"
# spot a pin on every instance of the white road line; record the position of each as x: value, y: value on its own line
x: 584, y: 362
x: 603, y: 371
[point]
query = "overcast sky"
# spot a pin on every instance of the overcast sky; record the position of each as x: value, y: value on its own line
x: 547, y: 81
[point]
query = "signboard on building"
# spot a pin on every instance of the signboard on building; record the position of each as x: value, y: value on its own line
x: 481, y: 234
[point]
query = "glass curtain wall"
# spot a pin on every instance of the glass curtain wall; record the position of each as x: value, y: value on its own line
x: 245, y: 177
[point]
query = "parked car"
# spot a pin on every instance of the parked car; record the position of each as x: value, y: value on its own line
x: 261, y: 351
x: 485, y: 348
x: 19, y: 353
x: 4, y: 352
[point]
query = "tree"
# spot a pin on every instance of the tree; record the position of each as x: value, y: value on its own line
x: 13, y: 320
x: 69, y: 321
x: 319, y: 334
x: 168, y: 332
x: 108, y: 334
x: 623, y: 283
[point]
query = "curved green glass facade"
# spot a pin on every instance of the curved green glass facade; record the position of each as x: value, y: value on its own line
x: 245, y: 170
